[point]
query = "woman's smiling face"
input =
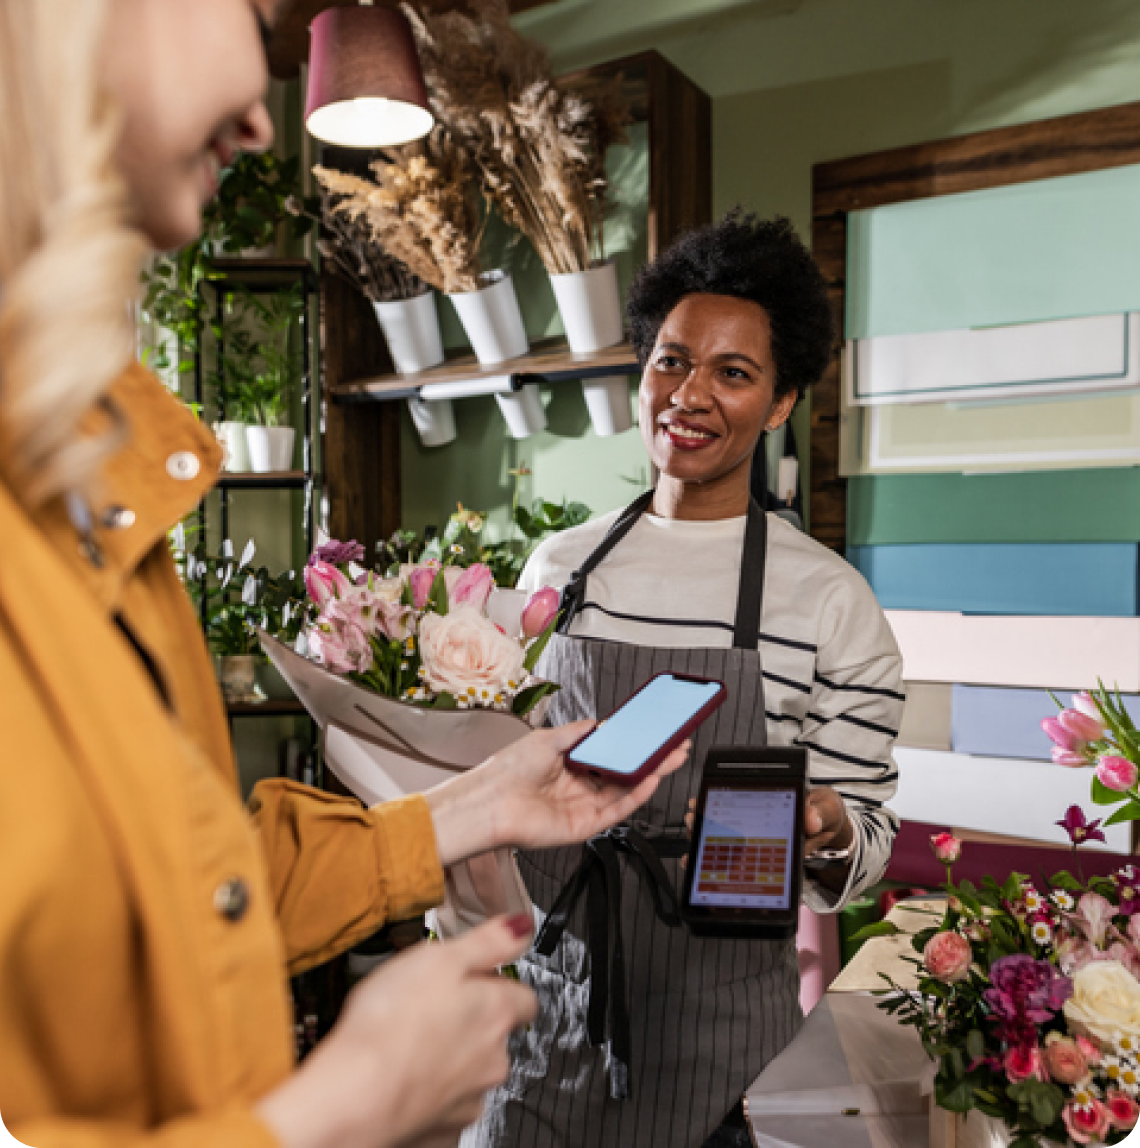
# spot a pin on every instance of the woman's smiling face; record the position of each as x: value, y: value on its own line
x: 708, y: 391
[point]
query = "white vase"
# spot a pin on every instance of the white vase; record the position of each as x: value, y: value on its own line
x: 607, y: 400
x: 232, y: 437
x: 411, y: 330
x: 523, y: 411
x: 492, y: 319
x: 270, y: 448
x: 434, y: 421
x: 590, y: 306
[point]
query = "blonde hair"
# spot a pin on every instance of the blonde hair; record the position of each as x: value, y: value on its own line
x: 69, y: 264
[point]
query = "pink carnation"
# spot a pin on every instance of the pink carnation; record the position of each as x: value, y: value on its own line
x: 1122, y: 1109
x: 1024, y: 1063
x: 1087, y: 1124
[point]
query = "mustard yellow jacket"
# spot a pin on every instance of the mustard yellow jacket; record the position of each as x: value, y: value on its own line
x: 147, y: 921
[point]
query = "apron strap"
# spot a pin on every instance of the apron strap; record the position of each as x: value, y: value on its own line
x: 599, y: 877
x: 746, y: 630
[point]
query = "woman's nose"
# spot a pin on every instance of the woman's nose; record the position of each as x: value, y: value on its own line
x: 255, y: 129
x: 693, y: 391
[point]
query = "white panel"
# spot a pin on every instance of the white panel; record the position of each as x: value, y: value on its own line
x: 996, y: 795
x: 1069, y: 355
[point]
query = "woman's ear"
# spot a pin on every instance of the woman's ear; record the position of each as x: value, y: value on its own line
x: 781, y: 409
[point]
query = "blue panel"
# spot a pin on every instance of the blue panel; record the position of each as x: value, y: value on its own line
x: 990, y: 721
x: 1000, y: 578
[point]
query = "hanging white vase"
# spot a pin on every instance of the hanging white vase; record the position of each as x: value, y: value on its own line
x: 607, y: 400
x: 434, y: 421
x: 590, y: 306
x: 270, y: 448
x: 232, y: 437
x: 523, y: 411
x: 492, y: 319
x: 411, y: 330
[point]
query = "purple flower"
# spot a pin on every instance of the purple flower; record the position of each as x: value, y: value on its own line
x: 338, y: 553
x: 1078, y: 828
x: 1025, y: 994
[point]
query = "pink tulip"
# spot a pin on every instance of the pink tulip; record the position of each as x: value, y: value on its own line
x: 947, y: 848
x: 1061, y: 736
x: 473, y: 587
x: 1086, y: 703
x: 1080, y: 725
x: 1069, y: 758
x: 540, y: 611
x: 325, y: 582
x: 420, y: 579
x: 1116, y: 773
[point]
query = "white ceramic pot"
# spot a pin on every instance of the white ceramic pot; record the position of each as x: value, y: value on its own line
x: 411, y: 330
x: 523, y: 411
x: 607, y: 400
x: 232, y: 437
x: 590, y: 306
x: 492, y: 319
x: 270, y: 448
x: 434, y: 421
x: 237, y: 675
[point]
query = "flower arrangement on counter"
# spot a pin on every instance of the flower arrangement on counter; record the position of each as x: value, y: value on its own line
x: 1029, y: 992
x: 422, y: 634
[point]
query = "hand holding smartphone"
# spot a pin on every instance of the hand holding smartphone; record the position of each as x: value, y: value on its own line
x: 642, y: 732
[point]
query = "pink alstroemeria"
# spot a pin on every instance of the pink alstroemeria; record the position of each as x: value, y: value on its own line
x: 1116, y: 773
x: 1061, y: 736
x: 540, y: 611
x: 325, y: 582
x: 1068, y: 758
x: 420, y: 579
x: 340, y: 646
x: 1081, y: 725
x: 473, y: 587
x: 947, y: 848
x: 1093, y: 916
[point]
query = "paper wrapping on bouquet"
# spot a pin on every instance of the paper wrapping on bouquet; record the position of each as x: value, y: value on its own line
x: 381, y: 748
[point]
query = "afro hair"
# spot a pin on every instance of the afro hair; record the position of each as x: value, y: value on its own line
x: 760, y: 260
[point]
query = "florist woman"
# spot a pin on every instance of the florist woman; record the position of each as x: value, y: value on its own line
x: 731, y: 325
x: 146, y: 923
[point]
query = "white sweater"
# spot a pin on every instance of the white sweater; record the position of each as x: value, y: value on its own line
x: 832, y: 670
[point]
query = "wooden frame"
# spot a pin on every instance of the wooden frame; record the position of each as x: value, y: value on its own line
x: 1067, y: 145
x: 361, y: 456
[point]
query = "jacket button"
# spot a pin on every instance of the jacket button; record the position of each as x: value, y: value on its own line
x: 118, y: 517
x: 183, y: 465
x: 231, y: 899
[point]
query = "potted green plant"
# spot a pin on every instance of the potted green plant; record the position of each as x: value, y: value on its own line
x: 257, y: 196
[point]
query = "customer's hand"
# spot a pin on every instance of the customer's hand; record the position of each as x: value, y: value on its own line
x: 826, y: 824
x: 418, y: 1044
x: 525, y: 796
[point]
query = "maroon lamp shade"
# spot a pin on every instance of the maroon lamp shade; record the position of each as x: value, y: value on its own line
x: 366, y: 88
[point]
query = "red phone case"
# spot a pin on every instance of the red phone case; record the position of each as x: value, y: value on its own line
x: 651, y: 763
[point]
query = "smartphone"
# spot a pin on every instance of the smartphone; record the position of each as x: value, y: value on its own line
x: 640, y: 734
x: 744, y: 875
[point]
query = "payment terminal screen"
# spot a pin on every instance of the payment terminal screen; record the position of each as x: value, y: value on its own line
x: 637, y: 730
x: 746, y: 850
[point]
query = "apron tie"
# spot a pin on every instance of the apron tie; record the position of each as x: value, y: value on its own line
x: 599, y: 876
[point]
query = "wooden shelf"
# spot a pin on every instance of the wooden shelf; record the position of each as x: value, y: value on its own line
x: 550, y: 361
x: 271, y: 707
x: 259, y: 273
x: 270, y: 480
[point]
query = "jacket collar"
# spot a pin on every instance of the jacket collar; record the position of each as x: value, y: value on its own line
x: 167, y: 465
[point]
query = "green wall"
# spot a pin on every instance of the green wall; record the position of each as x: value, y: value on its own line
x: 794, y: 83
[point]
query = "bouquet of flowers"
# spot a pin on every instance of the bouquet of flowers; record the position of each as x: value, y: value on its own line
x: 1028, y: 994
x: 426, y: 633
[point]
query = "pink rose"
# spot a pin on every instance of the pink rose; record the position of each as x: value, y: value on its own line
x: 468, y: 656
x: 472, y: 588
x: 1064, y: 1060
x: 1024, y: 1064
x: 1087, y: 1123
x: 421, y: 579
x: 947, y: 848
x: 325, y: 582
x: 1127, y: 955
x: 540, y: 610
x: 1068, y: 758
x: 1116, y: 773
x: 1123, y: 1111
x: 340, y: 645
x: 1080, y: 725
x: 1061, y: 736
x: 947, y: 957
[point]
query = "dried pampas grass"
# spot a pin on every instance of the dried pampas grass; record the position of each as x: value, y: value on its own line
x: 539, y: 148
x: 419, y: 210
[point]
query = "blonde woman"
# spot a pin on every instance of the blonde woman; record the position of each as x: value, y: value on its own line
x: 146, y: 922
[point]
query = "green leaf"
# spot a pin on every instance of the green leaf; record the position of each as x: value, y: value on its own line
x: 534, y: 650
x: 975, y: 1044
x: 1102, y: 795
x: 437, y: 599
x: 958, y: 1098
x: 1129, y: 812
x: 878, y: 929
x: 444, y: 701
x: 525, y: 700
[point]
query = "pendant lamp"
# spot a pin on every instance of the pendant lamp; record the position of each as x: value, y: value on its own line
x: 366, y: 87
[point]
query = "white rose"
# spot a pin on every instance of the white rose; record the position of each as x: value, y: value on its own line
x: 1106, y: 1001
x: 468, y: 656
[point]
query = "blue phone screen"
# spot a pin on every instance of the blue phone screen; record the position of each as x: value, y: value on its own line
x: 634, y: 733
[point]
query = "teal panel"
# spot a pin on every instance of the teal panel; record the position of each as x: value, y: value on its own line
x: 1048, y: 249
x: 1031, y: 506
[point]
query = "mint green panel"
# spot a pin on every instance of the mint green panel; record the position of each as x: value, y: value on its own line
x: 1037, y: 506
x: 1049, y: 249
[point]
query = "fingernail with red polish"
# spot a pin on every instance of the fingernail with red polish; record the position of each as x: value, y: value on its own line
x: 521, y: 924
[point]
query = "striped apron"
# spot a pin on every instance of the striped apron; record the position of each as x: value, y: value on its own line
x: 659, y: 1060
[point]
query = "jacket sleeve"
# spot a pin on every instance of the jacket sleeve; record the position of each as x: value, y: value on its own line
x: 237, y: 1128
x: 337, y: 871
